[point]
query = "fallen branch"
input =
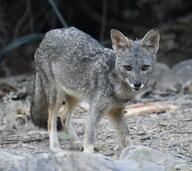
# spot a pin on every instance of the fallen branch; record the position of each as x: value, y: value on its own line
x: 147, y: 108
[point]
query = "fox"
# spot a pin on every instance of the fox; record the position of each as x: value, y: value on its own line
x: 72, y: 66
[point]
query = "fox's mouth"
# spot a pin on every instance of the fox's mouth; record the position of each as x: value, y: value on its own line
x: 135, y: 89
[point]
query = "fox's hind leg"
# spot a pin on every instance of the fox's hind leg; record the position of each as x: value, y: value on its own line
x: 70, y: 104
x: 56, y: 97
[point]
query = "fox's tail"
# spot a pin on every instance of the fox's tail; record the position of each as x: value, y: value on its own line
x: 39, y: 104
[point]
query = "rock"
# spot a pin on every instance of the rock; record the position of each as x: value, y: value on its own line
x: 132, y: 159
x: 177, y: 78
x: 159, y: 70
x: 169, y: 82
x: 183, y: 70
x: 150, y: 159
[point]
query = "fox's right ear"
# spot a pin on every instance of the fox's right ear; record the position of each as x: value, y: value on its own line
x: 119, y: 41
x: 151, y: 40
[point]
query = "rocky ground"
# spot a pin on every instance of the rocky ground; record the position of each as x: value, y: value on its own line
x: 167, y: 130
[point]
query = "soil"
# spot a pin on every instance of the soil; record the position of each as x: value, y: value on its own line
x: 166, y: 131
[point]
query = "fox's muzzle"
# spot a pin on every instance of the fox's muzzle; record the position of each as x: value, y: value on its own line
x: 137, y: 85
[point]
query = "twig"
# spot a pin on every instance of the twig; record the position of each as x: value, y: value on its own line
x: 35, y: 17
x: 95, y: 16
x: 18, y: 42
x: 104, y: 19
x: 58, y: 14
x: 20, y: 22
x: 31, y: 19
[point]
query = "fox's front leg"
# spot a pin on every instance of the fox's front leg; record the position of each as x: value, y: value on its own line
x: 94, y: 117
x: 119, y: 122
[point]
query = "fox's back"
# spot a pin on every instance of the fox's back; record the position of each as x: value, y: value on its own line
x: 70, y: 43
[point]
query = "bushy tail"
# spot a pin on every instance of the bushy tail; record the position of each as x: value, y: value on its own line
x: 39, y: 104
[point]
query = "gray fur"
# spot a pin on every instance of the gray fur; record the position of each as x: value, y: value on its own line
x: 74, y: 64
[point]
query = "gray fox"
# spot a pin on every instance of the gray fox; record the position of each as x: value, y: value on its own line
x: 72, y: 66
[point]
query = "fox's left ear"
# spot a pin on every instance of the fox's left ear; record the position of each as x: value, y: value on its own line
x: 151, y: 40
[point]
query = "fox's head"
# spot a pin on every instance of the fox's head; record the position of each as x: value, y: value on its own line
x: 135, y: 59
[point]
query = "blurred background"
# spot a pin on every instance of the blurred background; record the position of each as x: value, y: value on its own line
x: 24, y: 22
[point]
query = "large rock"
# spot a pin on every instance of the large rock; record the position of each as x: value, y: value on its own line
x: 132, y: 159
x: 177, y: 78
x: 150, y: 159
x: 159, y: 71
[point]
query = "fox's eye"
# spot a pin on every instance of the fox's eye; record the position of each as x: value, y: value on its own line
x: 145, y: 67
x: 127, y: 67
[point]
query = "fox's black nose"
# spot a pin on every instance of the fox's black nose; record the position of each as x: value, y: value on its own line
x: 137, y: 84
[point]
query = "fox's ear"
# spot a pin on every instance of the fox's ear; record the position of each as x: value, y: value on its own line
x: 119, y: 41
x: 151, y: 40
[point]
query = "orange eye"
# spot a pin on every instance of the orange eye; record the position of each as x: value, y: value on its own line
x: 145, y: 67
x: 128, y: 67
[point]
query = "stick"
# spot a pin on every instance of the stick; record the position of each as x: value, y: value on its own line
x: 147, y: 108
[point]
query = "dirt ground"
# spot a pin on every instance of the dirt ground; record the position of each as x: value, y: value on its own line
x: 166, y: 131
